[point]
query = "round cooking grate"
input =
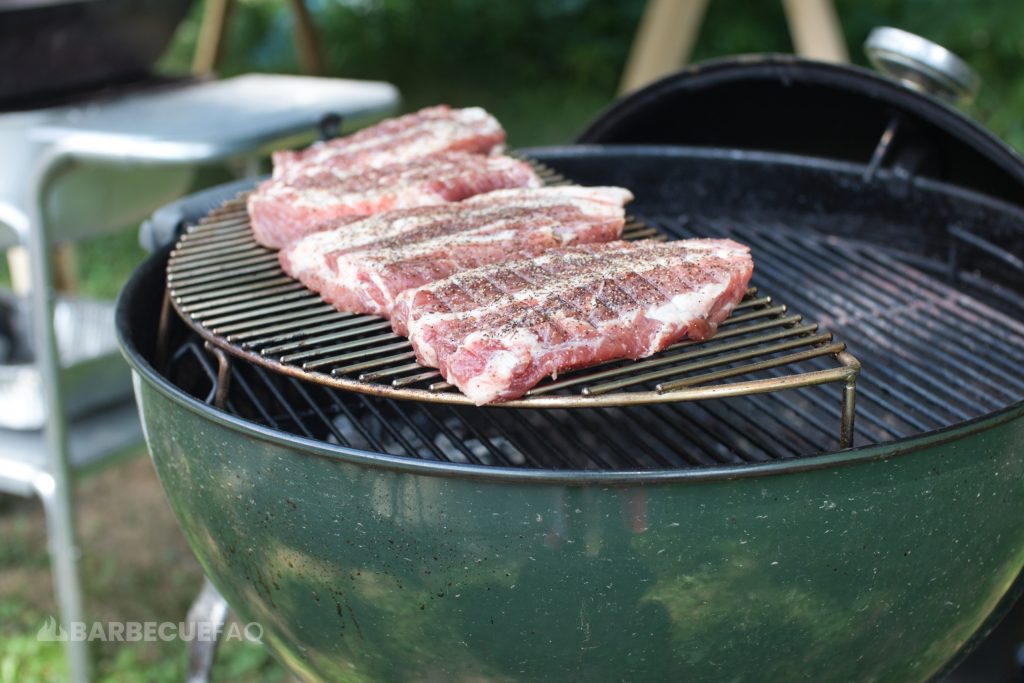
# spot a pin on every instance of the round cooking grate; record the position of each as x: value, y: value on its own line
x: 234, y: 294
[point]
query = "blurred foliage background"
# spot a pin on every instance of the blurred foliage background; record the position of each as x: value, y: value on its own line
x: 546, y: 67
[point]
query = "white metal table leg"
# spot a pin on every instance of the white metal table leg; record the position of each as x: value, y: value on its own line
x: 60, y: 527
x: 56, y: 489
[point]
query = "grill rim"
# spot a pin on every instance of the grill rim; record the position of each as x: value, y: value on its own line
x: 823, y: 460
x: 144, y: 370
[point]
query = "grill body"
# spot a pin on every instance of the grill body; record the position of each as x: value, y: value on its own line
x: 401, y: 575
x: 873, y: 563
x: 401, y: 570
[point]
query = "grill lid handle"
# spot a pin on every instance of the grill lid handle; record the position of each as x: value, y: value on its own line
x: 921, y: 64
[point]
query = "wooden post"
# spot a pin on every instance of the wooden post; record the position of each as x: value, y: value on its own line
x: 65, y: 269
x: 664, y: 41
x: 214, y: 25
x: 815, y: 29
x: 306, y: 44
x: 17, y: 264
x: 211, y: 36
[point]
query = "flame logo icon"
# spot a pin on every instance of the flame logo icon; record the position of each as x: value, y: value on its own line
x: 51, y: 631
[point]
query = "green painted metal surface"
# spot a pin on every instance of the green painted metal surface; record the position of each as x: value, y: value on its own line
x: 865, y: 569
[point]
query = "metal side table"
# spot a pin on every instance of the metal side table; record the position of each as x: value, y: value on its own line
x: 176, y: 127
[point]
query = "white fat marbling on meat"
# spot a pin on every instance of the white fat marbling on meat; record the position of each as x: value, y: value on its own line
x: 382, y: 286
x: 615, y: 196
x: 501, y: 365
x: 684, y: 308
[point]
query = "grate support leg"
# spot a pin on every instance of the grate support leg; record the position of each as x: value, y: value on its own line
x: 220, y: 395
x: 848, y: 412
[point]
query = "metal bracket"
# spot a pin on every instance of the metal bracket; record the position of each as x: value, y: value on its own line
x: 163, y: 332
x: 882, y: 148
x: 220, y: 395
x: 329, y: 126
x: 958, y: 236
x: 848, y: 411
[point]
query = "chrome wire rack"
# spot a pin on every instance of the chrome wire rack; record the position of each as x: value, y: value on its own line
x: 232, y: 292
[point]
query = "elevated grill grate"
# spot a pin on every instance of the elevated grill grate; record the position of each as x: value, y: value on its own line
x: 233, y: 292
x: 732, y: 431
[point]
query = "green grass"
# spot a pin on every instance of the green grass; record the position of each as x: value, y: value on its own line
x: 23, y: 659
x: 106, y: 262
x: 136, y: 567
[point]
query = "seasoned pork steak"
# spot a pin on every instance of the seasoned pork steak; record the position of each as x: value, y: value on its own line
x: 281, y: 212
x: 496, y: 331
x: 361, y: 267
x: 429, y: 131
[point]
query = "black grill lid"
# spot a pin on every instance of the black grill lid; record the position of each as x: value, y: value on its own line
x: 782, y: 103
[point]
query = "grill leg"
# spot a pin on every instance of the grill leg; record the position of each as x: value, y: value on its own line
x: 209, y: 611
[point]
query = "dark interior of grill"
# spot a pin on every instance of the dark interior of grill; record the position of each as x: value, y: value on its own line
x: 918, y: 278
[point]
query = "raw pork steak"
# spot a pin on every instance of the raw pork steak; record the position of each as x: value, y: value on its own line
x: 361, y: 267
x: 281, y: 212
x: 423, y: 133
x: 496, y: 331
